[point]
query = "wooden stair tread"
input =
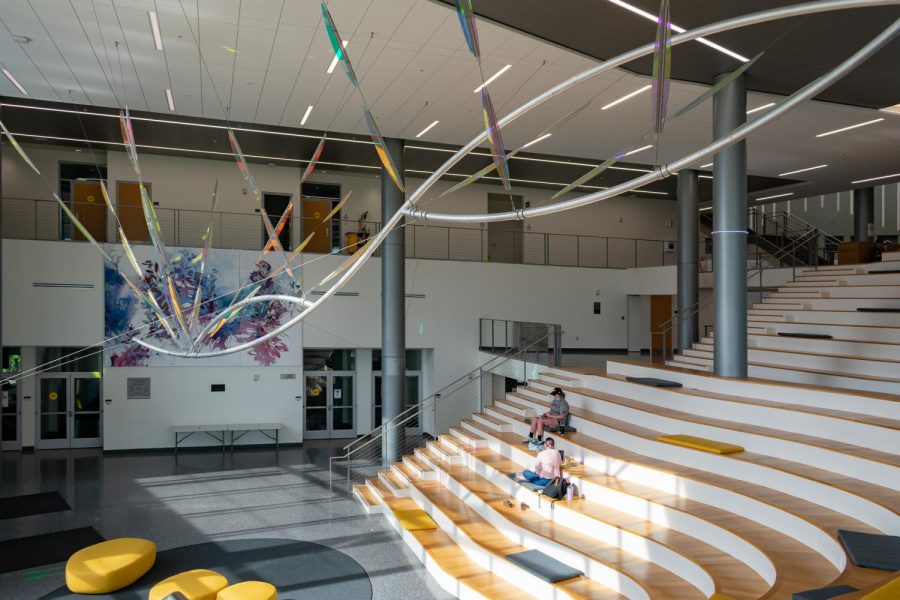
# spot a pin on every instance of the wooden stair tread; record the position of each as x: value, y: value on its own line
x: 818, y: 354
x: 378, y: 485
x: 366, y: 495
x: 392, y: 478
x: 831, y: 339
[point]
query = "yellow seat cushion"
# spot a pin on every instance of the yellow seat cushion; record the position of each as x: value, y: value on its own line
x: 249, y: 590
x: 719, y: 597
x: 698, y: 443
x: 109, y: 566
x: 890, y: 591
x: 199, y: 584
x: 414, y: 519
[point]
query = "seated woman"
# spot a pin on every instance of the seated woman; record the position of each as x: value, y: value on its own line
x: 547, y: 465
x: 559, y: 411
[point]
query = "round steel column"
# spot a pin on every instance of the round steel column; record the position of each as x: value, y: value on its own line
x: 688, y: 258
x: 864, y: 214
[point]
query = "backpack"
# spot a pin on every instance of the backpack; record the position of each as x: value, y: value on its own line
x: 556, y: 489
x: 535, y: 446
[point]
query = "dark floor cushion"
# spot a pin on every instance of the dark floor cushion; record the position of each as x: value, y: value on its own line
x: 875, y: 309
x: 871, y: 549
x: 543, y: 566
x: 527, y: 484
x: 823, y: 593
x: 808, y: 336
x: 654, y: 382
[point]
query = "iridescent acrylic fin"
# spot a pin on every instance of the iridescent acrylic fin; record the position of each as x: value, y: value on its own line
x: 662, y: 67
x: 128, y: 138
x: 338, y: 46
x: 204, y: 253
x: 467, y: 22
x: 302, y: 245
x: 337, y: 207
x: 383, y: 154
x: 147, y: 297
x: 18, y: 148
x: 81, y: 228
x: 231, y: 314
x: 715, y: 89
x: 602, y: 167
x: 175, y: 306
x: 285, y: 216
x: 154, y: 228
x: 313, y: 161
x: 242, y: 165
x: 126, y: 247
x: 344, y: 266
x: 495, y: 138
x: 473, y: 178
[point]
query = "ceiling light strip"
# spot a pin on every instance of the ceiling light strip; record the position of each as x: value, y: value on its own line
x: 848, y: 128
x: 154, y: 27
x: 536, y: 140
x: 169, y: 100
x: 306, y: 115
x: 427, y: 129
x: 773, y: 197
x: 492, y: 78
x: 15, y: 82
x: 626, y: 97
x: 759, y: 108
x: 802, y: 170
x: 636, y: 150
x: 876, y: 178
x: 533, y: 158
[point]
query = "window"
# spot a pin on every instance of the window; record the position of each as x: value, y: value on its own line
x: 70, y: 360
x: 413, y: 394
x: 329, y: 360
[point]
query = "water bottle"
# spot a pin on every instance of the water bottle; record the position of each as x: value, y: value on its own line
x: 570, y: 492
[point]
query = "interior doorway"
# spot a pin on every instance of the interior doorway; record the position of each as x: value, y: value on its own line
x: 275, y: 205
x: 660, y: 314
x: 131, y: 213
x: 506, y: 239
x: 329, y: 407
x: 90, y: 208
x: 318, y: 201
x: 69, y: 411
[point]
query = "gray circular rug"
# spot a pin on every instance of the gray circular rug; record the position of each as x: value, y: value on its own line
x: 298, y: 569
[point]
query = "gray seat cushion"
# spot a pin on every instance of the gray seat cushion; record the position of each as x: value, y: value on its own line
x: 654, y: 382
x: 871, y: 549
x: 526, y: 484
x: 543, y: 566
x: 823, y: 593
x: 808, y: 336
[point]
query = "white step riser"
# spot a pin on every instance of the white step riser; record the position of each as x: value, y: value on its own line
x: 448, y: 583
x: 859, y: 366
x: 856, y: 349
x: 852, y: 466
x: 851, y: 280
x: 401, y: 493
x: 832, y: 317
x: 703, y: 368
x: 857, y: 291
x: 686, y: 523
x: 460, y: 432
x: 831, y: 303
x: 419, y: 472
x: 488, y: 424
x: 835, y: 400
x: 886, y: 335
x: 887, y: 257
x: 512, y: 408
x: 823, y: 426
x: 763, y: 513
x: 370, y: 510
x: 599, y: 572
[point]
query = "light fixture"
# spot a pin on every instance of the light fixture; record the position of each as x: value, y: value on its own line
x: 627, y: 97
x: 306, y: 115
x: 536, y: 140
x: 170, y: 100
x: 706, y: 208
x: 492, y: 78
x: 848, y: 128
x: 15, y: 82
x: 424, y: 131
x: 677, y: 29
x: 892, y: 109
x: 773, y: 197
x: 636, y: 150
x: 876, y: 178
x: 802, y: 170
x: 759, y: 108
x: 334, y: 61
x: 704, y: 176
x: 154, y: 27
x: 706, y: 166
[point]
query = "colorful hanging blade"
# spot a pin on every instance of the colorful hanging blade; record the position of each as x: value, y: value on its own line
x: 337, y: 208
x: 285, y: 216
x: 602, y: 167
x: 147, y: 297
x: 81, y: 228
x: 662, y: 67
x: 715, y: 89
x: 242, y: 164
x: 154, y: 228
x: 344, y: 266
x: 128, y: 139
x: 207, y: 244
x: 467, y: 22
x: 175, y: 306
x: 495, y: 138
x: 18, y: 148
x: 383, y: 154
x: 302, y: 245
x: 338, y: 46
x: 313, y: 161
x: 230, y: 315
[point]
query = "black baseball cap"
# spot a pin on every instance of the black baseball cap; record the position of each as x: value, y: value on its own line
x: 556, y: 391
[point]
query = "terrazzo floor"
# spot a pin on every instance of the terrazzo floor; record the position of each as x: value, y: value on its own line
x: 204, y: 497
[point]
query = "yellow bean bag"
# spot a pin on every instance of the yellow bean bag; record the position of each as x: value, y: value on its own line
x: 109, y: 566
x: 414, y: 519
x: 699, y: 443
x: 890, y: 591
x: 249, y: 590
x: 199, y: 584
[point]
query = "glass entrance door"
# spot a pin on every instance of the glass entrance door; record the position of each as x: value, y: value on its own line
x: 69, y: 414
x: 329, y: 406
x: 10, y: 417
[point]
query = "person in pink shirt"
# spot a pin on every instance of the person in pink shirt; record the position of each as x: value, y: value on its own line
x: 547, y: 465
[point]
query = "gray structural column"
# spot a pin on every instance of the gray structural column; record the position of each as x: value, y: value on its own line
x: 688, y: 258
x: 393, y: 315
x: 864, y: 214
x: 730, y: 234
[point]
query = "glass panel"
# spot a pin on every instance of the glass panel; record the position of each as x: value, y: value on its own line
x: 412, y: 398
x: 70, y: 360
x: 87, y: 426
x: 53, y: 427
x: 9, y: 399
x: 376, y: 400
x: 9, y: 428
x: 316, y: 391
x: 53, y: 395
x: 329, y: 360
x: 342, y: 401
x: 413, y: 360
x: 316, y: 419
x: 87, y: 395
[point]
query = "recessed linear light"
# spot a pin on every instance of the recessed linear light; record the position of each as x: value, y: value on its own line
x: 334, y: 61
x: 773, y: 197
x: 536, y: 140
x: 706, y: 166
x: 424, y: 131
x: 706, y: 208
x: 492, y: 78
x: 759, y: 108
x: 306, y: 115
x: 636, y: 150
x: 533, y: 159
x: 170, y: 100
x: 802, y: 170
x: 876, y: 178
x: 676, y: 28
x: 154, y: 27
x: 704, y: 176
x: 848, y: 128
x: 892, y: 109
x: 15, y: 82
x: 627, y: 97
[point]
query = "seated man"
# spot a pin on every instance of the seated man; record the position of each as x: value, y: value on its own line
x: 547, y: 465
x: 559, y: 411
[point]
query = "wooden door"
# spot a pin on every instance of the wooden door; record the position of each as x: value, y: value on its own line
x: 90, y: 208
x: 313, y: 213
x: 660, y: 312
x: 130, y: 212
